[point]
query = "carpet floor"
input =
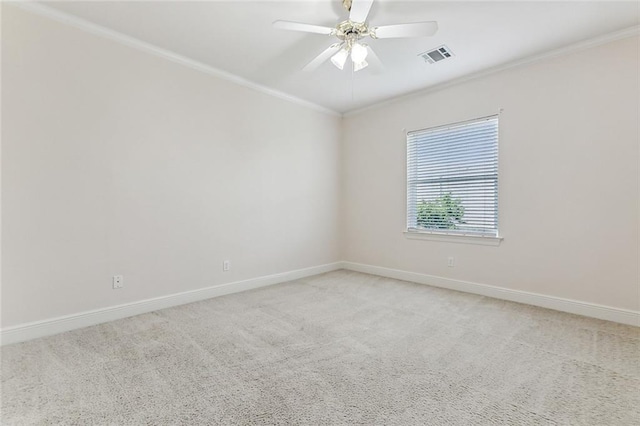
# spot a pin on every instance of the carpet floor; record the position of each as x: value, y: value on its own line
x: 334, y: 349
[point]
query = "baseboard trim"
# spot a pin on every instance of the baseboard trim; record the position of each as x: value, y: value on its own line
x: 34, y: 330
x: 593, y: 310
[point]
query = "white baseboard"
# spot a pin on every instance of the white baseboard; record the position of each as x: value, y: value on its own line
x: 33, y: 330
x: 57, y: 325
x: 593, y: 310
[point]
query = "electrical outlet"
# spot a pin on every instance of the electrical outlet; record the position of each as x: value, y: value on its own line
x: 451, y: 261
x: 118, y: 281
x: 226, y: 265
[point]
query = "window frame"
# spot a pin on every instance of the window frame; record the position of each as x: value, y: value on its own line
x: 449, y: 236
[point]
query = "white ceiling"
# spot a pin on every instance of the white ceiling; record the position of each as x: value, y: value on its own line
x: 237, y: 37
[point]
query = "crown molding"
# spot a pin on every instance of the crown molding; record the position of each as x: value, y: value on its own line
x: 563, y: 51
x: 79, y: 23
x: 118, y: 37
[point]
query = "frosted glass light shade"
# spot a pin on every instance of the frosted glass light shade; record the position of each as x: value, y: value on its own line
x: 340, y: 58
x: 358, y: 53
x: 357, y: 66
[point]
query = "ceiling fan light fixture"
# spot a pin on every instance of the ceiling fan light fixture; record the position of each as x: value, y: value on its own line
x: 340, y: 58
x: 352, y: 31
x: 358, y: 53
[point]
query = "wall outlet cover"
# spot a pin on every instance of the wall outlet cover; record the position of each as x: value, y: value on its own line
x: 118, y: 281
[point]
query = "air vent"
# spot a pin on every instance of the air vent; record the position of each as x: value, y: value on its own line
x: 436, y: 55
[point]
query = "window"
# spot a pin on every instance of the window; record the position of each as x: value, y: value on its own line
x: 452, y: 179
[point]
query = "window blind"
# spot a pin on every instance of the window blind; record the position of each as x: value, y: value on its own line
x: 452, y: 178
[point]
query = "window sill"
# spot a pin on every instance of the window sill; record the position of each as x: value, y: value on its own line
x: 449, y: 238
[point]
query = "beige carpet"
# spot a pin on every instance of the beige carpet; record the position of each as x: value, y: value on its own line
x: 338, y: 348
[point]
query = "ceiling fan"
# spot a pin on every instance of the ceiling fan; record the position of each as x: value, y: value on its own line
x: 351, y: 31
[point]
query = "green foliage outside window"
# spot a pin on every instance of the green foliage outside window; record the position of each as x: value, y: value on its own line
x: 445, y: 212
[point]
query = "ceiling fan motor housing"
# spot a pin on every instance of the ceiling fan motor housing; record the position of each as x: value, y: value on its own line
x: 348, y: 30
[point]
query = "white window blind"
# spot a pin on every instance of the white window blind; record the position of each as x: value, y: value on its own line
x: 452, y: 178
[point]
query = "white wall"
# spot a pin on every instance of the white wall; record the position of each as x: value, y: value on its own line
x: 568, y: 191
x: 119, y: 162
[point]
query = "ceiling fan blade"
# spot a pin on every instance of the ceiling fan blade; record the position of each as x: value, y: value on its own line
x: 360, y: 10
x: 299, y: 26
x: 375, y: 64
x: 416, y: 29
x: 323, y: 57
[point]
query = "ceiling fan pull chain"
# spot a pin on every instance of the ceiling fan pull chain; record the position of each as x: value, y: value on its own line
x: 353, y: 72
